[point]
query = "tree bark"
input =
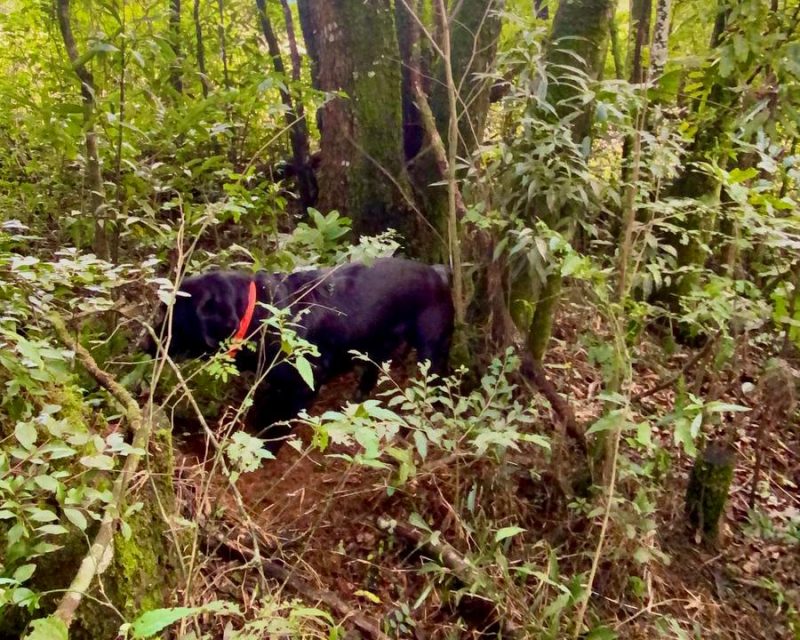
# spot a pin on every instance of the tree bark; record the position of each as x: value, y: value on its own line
x: 175, y: 43
x: 295, y: 116
x: 408, y: 36
x: 616, y: 49
x: 94, y: 177
x: 223, y: 46
x: 201, y: 50
x: 696, y: 184
x: 638, y: 38
x: 362, y: 171
x: 474, y: 29
x: 580, y: 28
x: 707, y: 491
x: 659, y: 47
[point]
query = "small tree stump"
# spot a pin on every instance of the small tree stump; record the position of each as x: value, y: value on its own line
x: 707, y: 491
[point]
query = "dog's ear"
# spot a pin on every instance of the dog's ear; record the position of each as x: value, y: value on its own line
x: 216, y: 312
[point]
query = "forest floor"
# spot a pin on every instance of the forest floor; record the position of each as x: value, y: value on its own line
x: 318, y: 513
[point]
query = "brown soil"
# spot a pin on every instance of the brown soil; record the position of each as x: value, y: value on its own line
x: 318, y: 513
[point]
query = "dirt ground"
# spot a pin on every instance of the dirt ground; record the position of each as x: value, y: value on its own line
x: 319, y: 513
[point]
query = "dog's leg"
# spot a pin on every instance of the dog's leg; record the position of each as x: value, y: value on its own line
x: 273, y: 406
x: 433, y: 332
x: 369, y: 378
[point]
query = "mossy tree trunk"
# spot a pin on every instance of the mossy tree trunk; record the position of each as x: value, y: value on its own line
x: 714, y: 117
x: 474, y: 32
x: 579, y: 32
x: 176, y: 68
x: 707, y: 491
x: 354, y: 50
x: 143, y: 569
x: 200, y: 49
x: 473, y: 28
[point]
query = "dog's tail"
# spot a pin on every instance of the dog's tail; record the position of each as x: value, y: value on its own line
x: 445, y: 273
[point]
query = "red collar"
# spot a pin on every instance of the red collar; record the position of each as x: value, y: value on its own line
x: 244, y: 323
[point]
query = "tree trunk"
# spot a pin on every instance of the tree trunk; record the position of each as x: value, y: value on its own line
x: 707, y: 491
x: 295, y: 116
x: 659, y: 47
x: 580, y: 32
x: 175, y: 43
x: 631, y: 147
x: 94, y: 177
x: 201, y: 50
x: 408, y: 35
x: 223, y: 45
x: 696, y: 184
x: 354, y: 50
x: 474, y: 32
x: 616, y: 49
x: 142, y: 570
x: 638, y: 37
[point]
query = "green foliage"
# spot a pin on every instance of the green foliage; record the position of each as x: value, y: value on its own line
x: 487, y: 421
x: 48, y: 629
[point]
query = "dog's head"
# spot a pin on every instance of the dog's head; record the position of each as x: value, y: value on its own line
x: 205, y: 314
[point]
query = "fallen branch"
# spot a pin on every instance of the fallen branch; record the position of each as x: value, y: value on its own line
x: 450, y: 558
x: 280, y: 573
x: 535, y: 371
x: 664, y: 384
x: 102, y: 551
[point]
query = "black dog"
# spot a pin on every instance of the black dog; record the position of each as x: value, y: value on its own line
x: 371, y: 309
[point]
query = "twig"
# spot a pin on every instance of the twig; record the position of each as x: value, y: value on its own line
x: 311, y: 594
x: 445, y: 163
x: 101, y: 551
x: 673, y: 379
x: 453, y: 560
x: 535, y: 371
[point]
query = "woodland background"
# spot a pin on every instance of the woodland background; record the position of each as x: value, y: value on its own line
x: 615, y: 186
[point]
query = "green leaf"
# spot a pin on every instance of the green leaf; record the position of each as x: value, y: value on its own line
x: 152, y: 622
x: 421, y: 443
x: 24, y: 572
x: 48, y: 483
x: 683, y: 436
x: 52, y: 529
x: 26, y: 435
x: 740, y: 47
x: 571, y: 264
x: 51, y: 628
x: 98, y: 461
x: 22, y: 596
x: 303, y: 367
x: 416, y: 520
x: 607, y: 422
x: 725, y: 63
x: 721, y: 407
x: 76, y: 518
x: 43, y: 515
x: 507, y: 532
x: 601, y: 633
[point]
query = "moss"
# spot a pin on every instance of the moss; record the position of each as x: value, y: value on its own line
x: 707, y: 491
x: 374, y: 202
x: 473, y: 45
x: 542, y: 324
x: 142, y: 574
